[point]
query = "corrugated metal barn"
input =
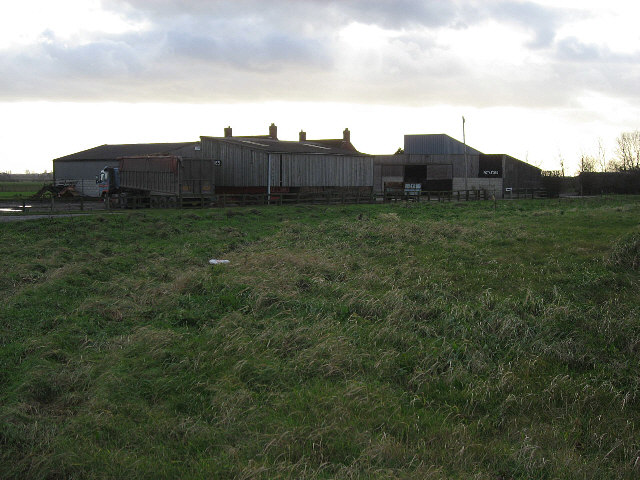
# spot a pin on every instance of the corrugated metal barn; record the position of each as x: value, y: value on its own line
x: 81, y: 168
x: 259, y: 164
x: 437, y: 163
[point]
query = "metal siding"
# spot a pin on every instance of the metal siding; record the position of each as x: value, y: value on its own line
x: 519, y: 174
x: 83, y: 173
x: 436, y: 144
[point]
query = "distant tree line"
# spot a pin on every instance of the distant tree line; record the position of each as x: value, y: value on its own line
x: 627, y: 157
x: 621, y: 174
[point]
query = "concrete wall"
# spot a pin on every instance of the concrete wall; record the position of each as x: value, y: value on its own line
x: 493, y: 185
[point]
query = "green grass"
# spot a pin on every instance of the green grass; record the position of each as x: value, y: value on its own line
x: 372, y: 341
x: 16, y: 195
x: 18, y: 189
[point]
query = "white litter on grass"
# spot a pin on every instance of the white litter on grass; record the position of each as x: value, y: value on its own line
x: 214, y: 261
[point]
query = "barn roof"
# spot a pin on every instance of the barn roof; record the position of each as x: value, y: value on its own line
x: 272, y: 145
x: 436, y: 144
x: 110, y: 152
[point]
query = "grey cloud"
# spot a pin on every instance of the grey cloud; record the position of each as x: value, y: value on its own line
x: 271, y: 52
x: 571, y: 49
x: 245, y: 50
x: 589, y: 67
x: 542, y: 21
x: 396, y: 14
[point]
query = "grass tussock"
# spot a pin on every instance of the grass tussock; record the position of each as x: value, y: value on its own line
x: 393, y: 341
x: 626, y: 252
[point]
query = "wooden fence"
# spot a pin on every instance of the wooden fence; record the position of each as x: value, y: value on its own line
x: 80, y: 204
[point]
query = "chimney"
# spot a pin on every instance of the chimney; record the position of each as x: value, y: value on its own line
x: 227, y: 132
x: 346, y: 135
x: 273, y: 131
x: 303, y: 136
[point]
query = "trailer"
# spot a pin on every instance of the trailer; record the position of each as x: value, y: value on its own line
x: 157, y: 181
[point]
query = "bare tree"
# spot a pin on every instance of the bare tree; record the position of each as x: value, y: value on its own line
x: 628, y: 150
x: 602, y: 157
x: 561, y: 161
x: 587, y: 164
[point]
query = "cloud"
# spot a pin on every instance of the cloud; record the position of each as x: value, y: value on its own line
x: 542, y: 21
x: 402, y: 52
x: 397, y: 14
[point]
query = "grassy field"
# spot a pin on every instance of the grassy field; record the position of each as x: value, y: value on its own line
x: 374, y: 341
x: 19, y: 189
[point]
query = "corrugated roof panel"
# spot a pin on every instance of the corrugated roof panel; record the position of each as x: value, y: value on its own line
x: 435, y: 144
x: 271, y: 145
x: 108, y: 152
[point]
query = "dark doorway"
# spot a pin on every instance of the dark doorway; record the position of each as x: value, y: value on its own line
x: 415, y: 173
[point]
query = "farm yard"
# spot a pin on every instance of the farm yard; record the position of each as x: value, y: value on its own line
x: 404, y: 340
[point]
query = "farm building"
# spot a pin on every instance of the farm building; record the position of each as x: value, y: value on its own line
x: 81, y: 168
x: 265, y: 164
x: 437, y: 162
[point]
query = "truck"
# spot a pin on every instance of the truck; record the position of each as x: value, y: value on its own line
x: 157, y: 181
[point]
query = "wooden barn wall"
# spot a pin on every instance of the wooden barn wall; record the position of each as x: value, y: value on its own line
x: 243, y: 167
x: 240, y: 166
x: 299, y: 170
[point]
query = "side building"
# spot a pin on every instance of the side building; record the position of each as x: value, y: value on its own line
x: 265, y: 164
x: 81, y: 168
x: 437, y: 162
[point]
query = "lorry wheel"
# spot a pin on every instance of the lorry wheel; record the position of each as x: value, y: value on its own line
x: 172, y: 202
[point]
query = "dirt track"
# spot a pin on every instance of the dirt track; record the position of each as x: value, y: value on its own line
x: 17, y: 218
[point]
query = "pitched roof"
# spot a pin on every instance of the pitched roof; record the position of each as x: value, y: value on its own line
x: 436, y: 144
x: 111, y: 152
x: 272, y: 145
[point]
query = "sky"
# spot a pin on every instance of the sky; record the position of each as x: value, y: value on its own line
x: 540, y: 80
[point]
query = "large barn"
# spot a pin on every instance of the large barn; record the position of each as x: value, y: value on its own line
x: 437, y: 162
x: 265, y: 164
x: 81, y: 168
